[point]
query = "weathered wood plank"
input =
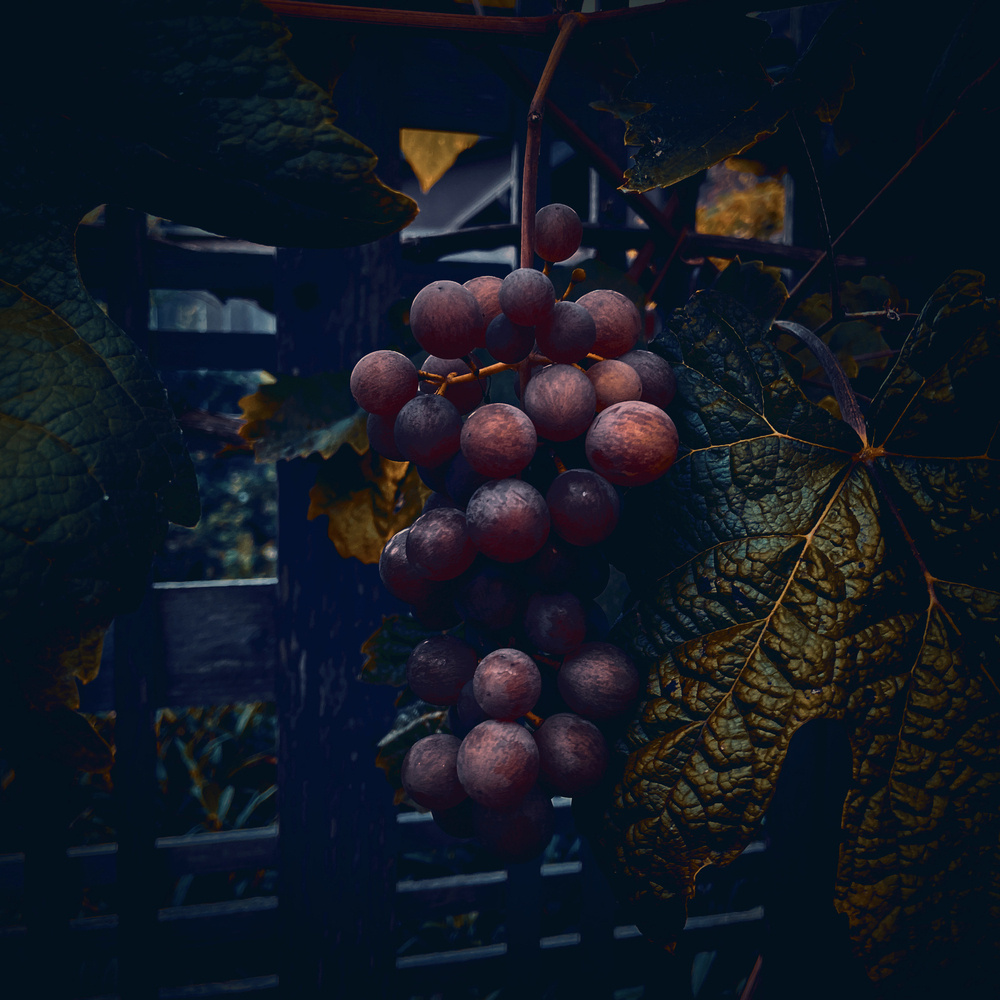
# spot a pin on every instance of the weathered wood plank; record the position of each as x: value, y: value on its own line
x: 219, y: 645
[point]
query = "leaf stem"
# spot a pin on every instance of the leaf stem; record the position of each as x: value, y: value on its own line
x: 850, y: 412
x: 568, y: 23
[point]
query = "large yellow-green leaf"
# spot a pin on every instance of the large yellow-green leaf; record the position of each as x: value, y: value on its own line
x: 795, y: 572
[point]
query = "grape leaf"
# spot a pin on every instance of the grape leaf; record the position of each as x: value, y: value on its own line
x: 88, y: 462
x: 294, y: 416
x: 796, y: 572
x: 712, y: 97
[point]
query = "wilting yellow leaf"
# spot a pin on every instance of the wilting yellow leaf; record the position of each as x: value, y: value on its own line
x: 368, y: 509
x: 432, y: 154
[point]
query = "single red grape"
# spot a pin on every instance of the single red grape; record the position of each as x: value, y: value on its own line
x: 632, y: 443
x: 498, y: 763
x: 446, y: 319
x: 381, y: 382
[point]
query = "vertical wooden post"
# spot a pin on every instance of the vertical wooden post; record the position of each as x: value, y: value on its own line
x: 336, y: 815
x: 134, y: 773
x: 135, y: 794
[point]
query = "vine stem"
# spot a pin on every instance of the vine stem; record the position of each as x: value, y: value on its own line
x: 835, y: 306
x: 386, y: 17
x: 568, y: 23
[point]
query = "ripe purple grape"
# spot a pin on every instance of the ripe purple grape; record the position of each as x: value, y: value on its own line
x: 446, y: 319
x: 498, y: 763
x: 381, y: 382
x: 617, y: 318
x: 572, y: 753
x: 466, y: 396
x: 428, y: 430
x: 429, y: 773
x: 555, y: 623
x: 518, y: 834
x: 568, y: 335
x: 614, y: 382
x: 439, y: 667
x: 584, y: 507
x: 659, y: 383
x: 498, y: 440
x: 508, y: 520
x: 486, y: 289
x: 558, y: 232
x: 507, y: 683
x: 507, y: 341
x: 560, y: 400
x: 438, y: 544
x: 598, y: 680
x: 632, y: 443
x: 527, y: 296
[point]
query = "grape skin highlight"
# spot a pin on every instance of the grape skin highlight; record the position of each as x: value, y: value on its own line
x: 499, y: 440
x: 382, y: 381
x: 498, y: 763
x: 507, y: 683
x: 486, y: 289
x: 446, y: 320
x: 508, y: 520
x: 632, y: 443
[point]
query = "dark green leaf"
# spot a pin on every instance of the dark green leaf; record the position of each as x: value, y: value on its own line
x: 387, y: 648
x: 413, y: 721
x: 293, y: 416
x: 712, y: 97
x: 798, y: 575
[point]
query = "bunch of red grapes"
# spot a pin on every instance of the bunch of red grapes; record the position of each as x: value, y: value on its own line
x: 510, y: 540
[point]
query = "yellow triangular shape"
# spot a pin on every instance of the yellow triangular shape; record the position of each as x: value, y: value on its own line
x: 431, y: 154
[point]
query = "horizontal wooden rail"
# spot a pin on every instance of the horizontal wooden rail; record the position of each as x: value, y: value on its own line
x: 198, y: 854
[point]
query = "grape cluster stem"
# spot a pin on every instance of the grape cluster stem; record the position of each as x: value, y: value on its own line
x: 536, y: 112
